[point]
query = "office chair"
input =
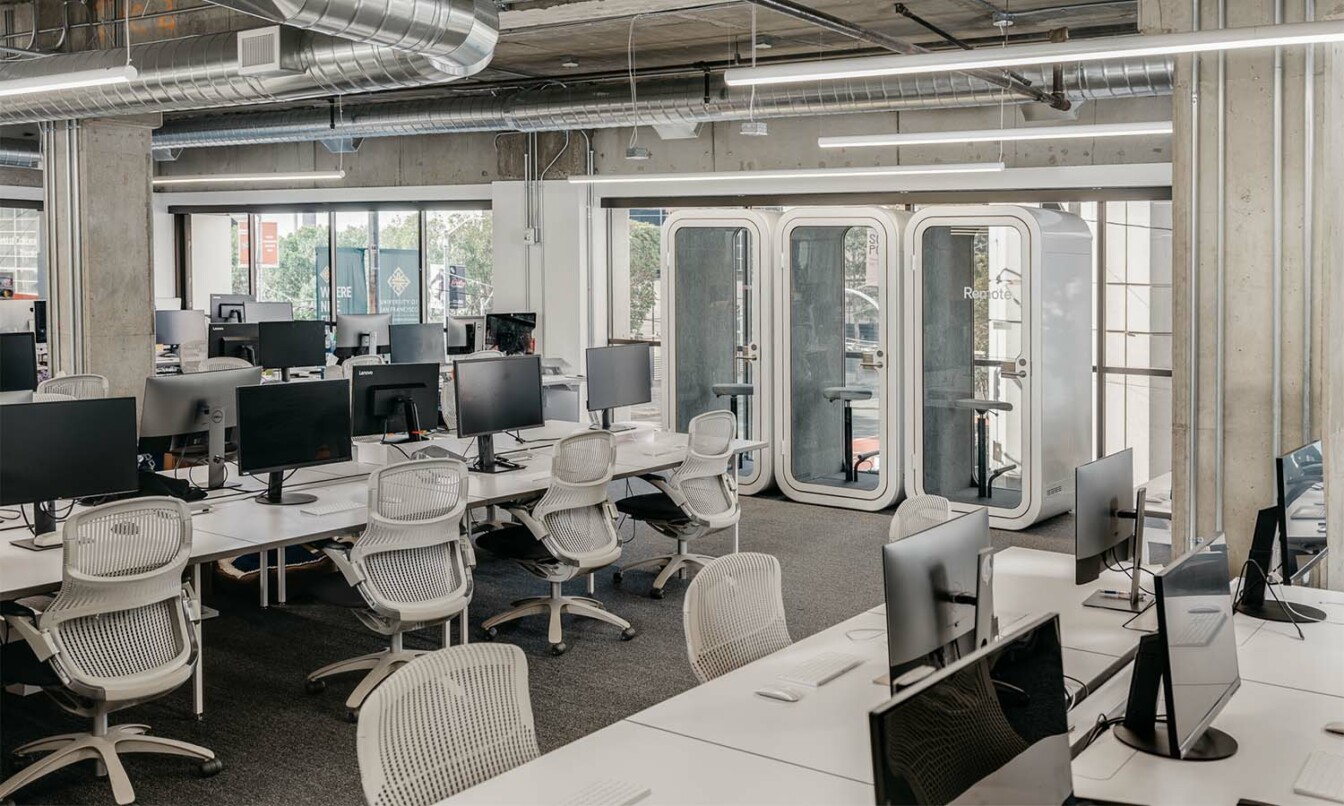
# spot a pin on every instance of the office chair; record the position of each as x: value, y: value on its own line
x: 348, y: 365
x: 219, y: 362
x: 917, y: 513
x: 491, y: 353
x: 698, y: 499
x: 445, y: 722
x: 80, y: 387
x: 121, y: 631
x: 734, y: 614
x: 569, y: 532
x: 52, y: 397
x: 410, y: 569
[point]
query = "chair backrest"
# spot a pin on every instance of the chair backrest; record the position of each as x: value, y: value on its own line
x: 52, y: 397
x: 445, y: 722
x: 448, y: 404
x: 413, y: 551
x: 120, y: 615
x: 734, y: 613
x: 705, y: 479
x: 483, y: 354
x: 80, y: 387
x: 576, y: 509
x: 216, y: 363
x: 917, y: 513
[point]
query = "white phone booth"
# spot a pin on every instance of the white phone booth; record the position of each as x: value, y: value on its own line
x: 998, y: 358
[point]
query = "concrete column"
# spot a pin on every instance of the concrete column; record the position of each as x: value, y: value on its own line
x: 1261, y: 397
x: 99, y: 261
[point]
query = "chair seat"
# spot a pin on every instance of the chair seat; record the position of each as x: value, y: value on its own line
x: 651, y: 507
x: 515, y: 542
x: 847, y: 393
x: 733, y: 389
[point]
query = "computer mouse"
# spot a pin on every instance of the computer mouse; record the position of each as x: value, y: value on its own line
x: 1336, y: 728
x: 781, y: 693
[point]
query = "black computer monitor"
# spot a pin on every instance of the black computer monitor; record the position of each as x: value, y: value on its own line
x: 228, y: 307
x: 939, y: 594
x: 511, y: 333
x: 991, y: 728
x: 1301, y: 502
x: 395, y: 399
x: 356, y: 333
x: 180, y: 327
x: 285, y: 345
x: 196, y: 403
x: 1108, y: 518
x: 233, y: 341
x: 1254, y: 582
x: 18, y: 362
x: 418, y: 344
x: 1191, y: 662
x: 620, y: 375
x: 66, y: 449
x: 494, y: 395
x: 285, y: 426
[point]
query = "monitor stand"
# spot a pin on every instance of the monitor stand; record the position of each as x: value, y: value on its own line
x: 218, y: 472
x: 607, y: 425
x: 486, y: 461
x: 44, y: 518
x: 1254, y: 585
x: 1141, y: 730
x: 275, y: 494
x: 411, y: 414
x: 1136, y: 601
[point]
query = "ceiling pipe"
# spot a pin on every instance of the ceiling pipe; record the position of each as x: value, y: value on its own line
x: 19, y: 154
x: 670, y: 102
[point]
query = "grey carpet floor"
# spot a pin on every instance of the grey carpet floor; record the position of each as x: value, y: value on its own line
x: 282, y: 745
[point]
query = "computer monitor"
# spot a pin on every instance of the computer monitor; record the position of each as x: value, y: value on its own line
x: 511, y: 333
x: 1254, y: 582
x: 233, y: 341
x: 395, y: 398
x: 285, y: 345
x: 255, y: 312
x: 939, y: 594
x: 180, y: 327
x: 494, y: 395
x: 66, y: 449
x: 418, y: 344
x: 1108, y: 521
x: 363, y: 333
x: 1191, y: 661
x: 285, y: 426
x: 196, y: 403
x: 455, y: 334
x: 18, y: 362
x: 1301, y: 502
x: 991, y: 728
x: 228, y: 307
x: 620, y: 375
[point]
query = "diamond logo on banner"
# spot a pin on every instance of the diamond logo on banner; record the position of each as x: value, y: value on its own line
x: 399, y: 281
x: 326, y: 274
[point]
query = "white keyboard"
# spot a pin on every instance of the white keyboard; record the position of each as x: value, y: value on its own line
x: 821, y: 669
x: 1197, y: 629
x: 1309, y: 512
x: 332, y: 507
x: 609, y: 792
x: 1322, y: 777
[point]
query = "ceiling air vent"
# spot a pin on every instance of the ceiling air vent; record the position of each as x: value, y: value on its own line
x: 262, y: 51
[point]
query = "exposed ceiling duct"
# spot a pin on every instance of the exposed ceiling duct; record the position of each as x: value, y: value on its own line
x: 659, y: 103
x: 203, y: 72
x: 19, y: 154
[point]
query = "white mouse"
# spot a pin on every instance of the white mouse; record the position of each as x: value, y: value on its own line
x: 1336, y: 728
x: 781, y: 693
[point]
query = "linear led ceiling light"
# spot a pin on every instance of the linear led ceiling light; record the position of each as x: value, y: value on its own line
x: 998, y: 135
x: 295, y: 176
x: 803, y: 173
x: 68, y: 81
x: 1079, y: 50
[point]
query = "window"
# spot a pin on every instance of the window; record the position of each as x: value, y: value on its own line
x: 636, y: 261
x: 291, y: 261
x: 460, y: 263
x: 396, y: 265
x: 19, y: 249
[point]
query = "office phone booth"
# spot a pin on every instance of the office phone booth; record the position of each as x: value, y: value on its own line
x: 998, y: 359
x: 838, y: 305
x: 716, y: 326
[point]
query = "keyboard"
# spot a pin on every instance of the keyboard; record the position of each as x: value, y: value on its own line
x: 1309, y: 512
x: 609, y: 792
x: 332, y: 507
x: 1322, y: 777
x: 821, y: 669
x: 1196, y: 629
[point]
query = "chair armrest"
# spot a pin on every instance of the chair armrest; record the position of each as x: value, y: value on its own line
x: 536, y: 527
x: 191, y: 602
x: 339, y: 554
x: 468, y: 550
x: 37, y: 639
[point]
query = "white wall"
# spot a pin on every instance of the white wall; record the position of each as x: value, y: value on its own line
x: 164, y: 254
x: 211, y: 258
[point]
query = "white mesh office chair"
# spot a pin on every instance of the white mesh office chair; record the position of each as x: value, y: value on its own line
x: 121, y: 631
x: 219, y: 362
x: 80, y: 387
x: 485, y: 354
x: 445, y: 722
x: 52, y: 397
x: 917, y: 513
x: 734, y: 614
x: 569, y: 532
x: 348, y: 365
x: 698, y: 499
x: 411, y: 567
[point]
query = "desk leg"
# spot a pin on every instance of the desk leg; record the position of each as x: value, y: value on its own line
x: 735, y: 538
x: 592, y: 585
x: 463, y: 629
x: 198, y: 674
x: 281, y: 593
x: 264, y: 578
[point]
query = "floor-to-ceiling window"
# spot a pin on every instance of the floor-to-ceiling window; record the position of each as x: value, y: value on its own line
x: 636, y: 261
x: 19, y: 249
x: 291, y: 261
x: 459, y: 263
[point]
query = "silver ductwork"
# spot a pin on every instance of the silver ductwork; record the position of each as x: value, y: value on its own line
x: 659, y: 102
x: 203, y: 72
x: 19, y: 154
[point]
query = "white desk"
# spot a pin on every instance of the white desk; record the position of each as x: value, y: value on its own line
x: 678, y: 770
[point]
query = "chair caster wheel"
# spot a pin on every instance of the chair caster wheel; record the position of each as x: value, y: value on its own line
x: 490, y: 634
x: 352, y: 716
x: 315, y: 686
x: 211, y: 767
x: 616, y: 577
x: 628, y: 633
x: 559, y: 649
x: 656, y: 593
